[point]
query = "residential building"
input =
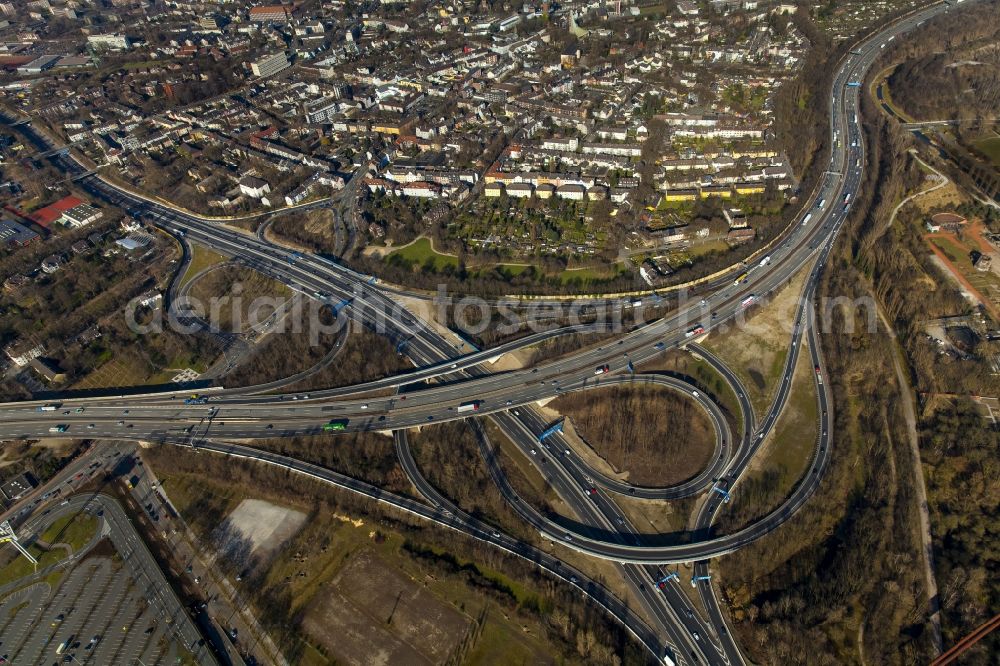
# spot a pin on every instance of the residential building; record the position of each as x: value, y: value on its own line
x: 254, y: 187
x: 52, y: 263
x: 269, y: 14
x: 109, y: 42
x: 22, y: 352
x: 48, y: 369
x: 270, y: 65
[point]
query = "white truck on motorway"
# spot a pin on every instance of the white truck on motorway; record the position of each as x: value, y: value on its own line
x: 49, y: 408
x: 805, y: 220
x: 471, y: 406
x: 697, y: 330
x: 765, y: 261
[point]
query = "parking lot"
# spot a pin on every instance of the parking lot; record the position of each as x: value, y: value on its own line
x: 104, y: 605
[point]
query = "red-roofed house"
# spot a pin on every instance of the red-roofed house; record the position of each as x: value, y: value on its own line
x: 269, y: 13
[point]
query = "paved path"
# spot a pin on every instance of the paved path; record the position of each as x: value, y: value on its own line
x: 909, y: 413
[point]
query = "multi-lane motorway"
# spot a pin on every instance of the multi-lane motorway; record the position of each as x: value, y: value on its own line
x: 443, y: 380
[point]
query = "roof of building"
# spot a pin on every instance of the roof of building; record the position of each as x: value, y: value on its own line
x: 49, y: 214
x: 12, y: 232
x: 267, y: 10
x: 135, y: 240
x: 16, y: 486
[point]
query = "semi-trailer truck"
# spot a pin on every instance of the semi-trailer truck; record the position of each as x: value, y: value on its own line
x: 765, y: 261
x: 697, y: 330
x: 49, y: 408
x: 748, y: 301
x: 59, y: 428
x: 805, y: 220
x: 471, y: 406
x: 336, y: 424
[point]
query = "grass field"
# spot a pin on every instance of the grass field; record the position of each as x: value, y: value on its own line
x: 756, y: 349
x: 991, y: 148
x: 20, y: 566
x: 588, y: 274
x: 987, y: 283
x: 252, y: 297
x: 785, y: 455
x: 420, y: 252
x: 514, y: 269
x: 122, y: 371
x: 201, y: 258
x: 75, y: 531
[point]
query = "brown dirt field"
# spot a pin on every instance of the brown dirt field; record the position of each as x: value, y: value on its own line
x: 373, y: 614
x: 252, y: 286
x: 948, y: 195
x: 756, y: 347
x: 660, y: 437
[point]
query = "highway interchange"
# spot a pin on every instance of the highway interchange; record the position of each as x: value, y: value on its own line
x: 444, y: 379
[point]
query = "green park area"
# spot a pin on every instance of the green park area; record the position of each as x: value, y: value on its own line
x: 74, y: 531
x: 421, y: 253
x: 991, y: 148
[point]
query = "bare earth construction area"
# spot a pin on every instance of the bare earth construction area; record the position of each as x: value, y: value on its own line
x: 374, y: 615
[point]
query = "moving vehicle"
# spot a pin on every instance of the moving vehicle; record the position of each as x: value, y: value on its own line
x: 741, y: 278
x: 336, y: 424
x: 821, y: 204
x: 847, y: 198
x: 805, y: 220
x: 765, y: 261
x: 601, y: 369
x: 195, y: 400
x: 49, y: 408
x: 748, y: 301
x: 697, y: 330
x: 471, y: 406
x: 59, y: 428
